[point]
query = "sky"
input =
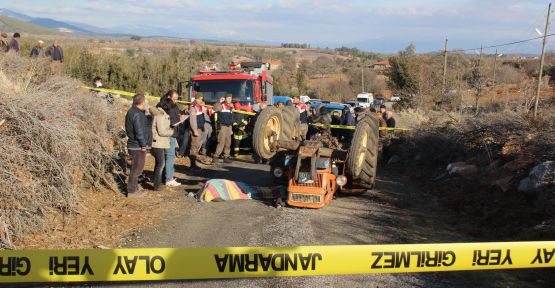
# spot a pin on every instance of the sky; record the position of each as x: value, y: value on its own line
x: 379, y: 26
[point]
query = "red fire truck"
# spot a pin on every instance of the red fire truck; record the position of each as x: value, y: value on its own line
x: 248, y: 83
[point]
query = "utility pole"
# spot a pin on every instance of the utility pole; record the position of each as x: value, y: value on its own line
x: 540, y: 74
x: 480, y: 59
x: 494, y: 71
x: 362, y: 76
x: 444, y: 67
x: 479, y: 89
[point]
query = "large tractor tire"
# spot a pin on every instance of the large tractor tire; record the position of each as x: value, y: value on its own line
x: 291, y: 123
x: 267, y: 129
x: 362, y: 160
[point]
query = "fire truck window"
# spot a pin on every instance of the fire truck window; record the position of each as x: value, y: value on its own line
x: 213, y: 90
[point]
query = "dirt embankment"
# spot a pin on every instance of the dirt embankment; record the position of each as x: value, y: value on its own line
x: 56, y: 140
x: 474, y: 166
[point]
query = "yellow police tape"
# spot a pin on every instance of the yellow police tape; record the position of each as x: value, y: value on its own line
x: 240, y: 262
x: 131, y: 94
x: 353, y: 127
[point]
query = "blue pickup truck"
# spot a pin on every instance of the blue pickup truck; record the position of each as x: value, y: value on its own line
x: 282, y: 99
x: 331, y: 107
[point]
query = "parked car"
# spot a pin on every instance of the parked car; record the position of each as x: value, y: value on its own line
x: 365, y: 100
x: 394, y: 98
x: 283, y: 99
x: 318, y: 101
x: 379, y: 101
x: 331, y: 107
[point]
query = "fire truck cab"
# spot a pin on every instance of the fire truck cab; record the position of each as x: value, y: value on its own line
x: 248, y: 83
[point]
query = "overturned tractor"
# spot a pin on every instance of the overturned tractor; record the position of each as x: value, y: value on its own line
x: 317, y: 168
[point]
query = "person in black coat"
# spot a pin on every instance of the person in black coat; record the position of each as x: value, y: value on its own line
x: 139, y: 141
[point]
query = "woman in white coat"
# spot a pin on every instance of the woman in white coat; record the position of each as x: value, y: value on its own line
x: 161, y: 133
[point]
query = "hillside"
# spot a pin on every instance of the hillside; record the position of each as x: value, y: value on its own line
x: 59, y: 26
x: 10, y: 24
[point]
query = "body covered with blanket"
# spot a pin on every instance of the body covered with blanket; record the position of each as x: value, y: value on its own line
x: 224, y: 190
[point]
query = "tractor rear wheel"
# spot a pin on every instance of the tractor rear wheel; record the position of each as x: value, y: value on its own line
x: 267, y: 130
x: 362, y: 160
x: 291, y: 123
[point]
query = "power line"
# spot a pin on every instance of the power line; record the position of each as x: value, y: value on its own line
x: 544, y: 17
x: 507, y: 44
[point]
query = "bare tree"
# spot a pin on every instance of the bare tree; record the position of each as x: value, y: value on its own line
x: 339, y: 90
x: 477, y: 80
x: 322, y: 66
x: 372, y: 82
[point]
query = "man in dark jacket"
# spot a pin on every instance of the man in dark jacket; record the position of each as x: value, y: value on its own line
x: 138, y: 142
x: 347, y: 119
x: 56, y: 54
x: 38, y: 51
x: 14, y: 44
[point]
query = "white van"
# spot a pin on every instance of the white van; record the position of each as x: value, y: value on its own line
x: 365, y: 100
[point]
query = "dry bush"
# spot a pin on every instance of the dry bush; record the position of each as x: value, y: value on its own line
x: 509, y: 75
x: 442, y: 138
x: 411, y: 118
x: 55, y: 138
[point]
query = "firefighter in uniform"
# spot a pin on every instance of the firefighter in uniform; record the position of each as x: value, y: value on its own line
x: 240, y: 133
x: 304, y: 116
x: 196, y: 120
x: 242, y: 130
x: 224, y: 114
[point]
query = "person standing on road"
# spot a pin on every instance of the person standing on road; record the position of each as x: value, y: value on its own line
x: 304, y: 117
x: 207, y: 132
x: 139, y: 139
x: 38, y: 50
x: 347, y: 119
x: 381, y: 122
x: 4, y: 45
x: 56, y: 54
x: 161, y: 135
x: 224, y: 112
x: 14, y: 44
x: 288, y: 103
x: 387, y: 116
x: 241, y: 134
x: 196, y: 119
x: 168, y: 104
x: 184, y: 136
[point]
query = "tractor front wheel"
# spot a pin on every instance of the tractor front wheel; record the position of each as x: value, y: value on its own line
x: 362, y: 160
